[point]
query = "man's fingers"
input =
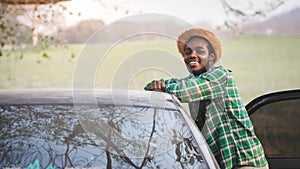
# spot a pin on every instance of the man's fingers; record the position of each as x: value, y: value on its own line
x: 163, y: 85
x: 157, y: 85
x: 152, y: 86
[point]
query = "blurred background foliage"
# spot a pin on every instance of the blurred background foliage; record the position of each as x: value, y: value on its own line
x: 39, y: 48
x: 36, y: 24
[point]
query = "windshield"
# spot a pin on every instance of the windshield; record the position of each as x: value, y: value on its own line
x: 105, y: 137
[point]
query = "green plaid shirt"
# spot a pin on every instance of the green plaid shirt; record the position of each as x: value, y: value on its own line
x: 227, y: 128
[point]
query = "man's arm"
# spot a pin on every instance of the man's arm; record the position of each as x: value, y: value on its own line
x: 159, y: 85
x: 207, y: 86
x: 196, y: 89
x: 203, y: 87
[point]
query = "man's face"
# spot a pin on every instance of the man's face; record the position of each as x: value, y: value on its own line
x: 196, y: 56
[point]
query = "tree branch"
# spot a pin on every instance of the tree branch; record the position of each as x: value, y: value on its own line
x: 236, y: 15
x: 150, y: 139
x: 26, y: 2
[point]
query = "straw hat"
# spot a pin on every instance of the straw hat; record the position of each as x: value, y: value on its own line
x: 202, y: 32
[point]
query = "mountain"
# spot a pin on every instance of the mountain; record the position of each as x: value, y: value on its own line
x: 286, y: 24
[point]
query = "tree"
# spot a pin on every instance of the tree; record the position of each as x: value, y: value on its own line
x: 22, y: 22
x: 249, y: 10
x: 30, y: 1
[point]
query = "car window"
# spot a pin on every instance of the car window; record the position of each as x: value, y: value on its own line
x: 277, y: 125
x: 57, y: 136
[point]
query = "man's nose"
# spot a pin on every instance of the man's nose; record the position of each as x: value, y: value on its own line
x: 193, y: 54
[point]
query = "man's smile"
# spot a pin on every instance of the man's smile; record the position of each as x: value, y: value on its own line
x: 193, y: 62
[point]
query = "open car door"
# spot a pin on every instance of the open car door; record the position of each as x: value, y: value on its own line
x: 276, y: 120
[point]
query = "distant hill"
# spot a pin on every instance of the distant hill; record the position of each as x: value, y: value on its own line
x: 287, y: 24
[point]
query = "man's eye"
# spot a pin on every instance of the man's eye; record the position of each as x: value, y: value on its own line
x: 198, y: 51
x: 188, y: 51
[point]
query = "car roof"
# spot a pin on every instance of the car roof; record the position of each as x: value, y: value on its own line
x: 88, y: 96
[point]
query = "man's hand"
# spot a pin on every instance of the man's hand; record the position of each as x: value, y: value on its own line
x: 157, y: 86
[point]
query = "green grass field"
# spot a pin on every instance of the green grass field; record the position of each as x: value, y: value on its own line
x: 261, y: 64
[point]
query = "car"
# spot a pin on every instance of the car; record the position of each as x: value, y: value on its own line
x: 130, y: 129
x: 98, y: 129
x: 275, y: 117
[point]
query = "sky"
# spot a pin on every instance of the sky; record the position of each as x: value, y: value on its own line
x: 193, y: 11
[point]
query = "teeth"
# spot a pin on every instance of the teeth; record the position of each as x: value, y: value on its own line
x: 191, y: 63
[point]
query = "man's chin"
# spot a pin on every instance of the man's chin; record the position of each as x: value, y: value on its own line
x: 197, y: 72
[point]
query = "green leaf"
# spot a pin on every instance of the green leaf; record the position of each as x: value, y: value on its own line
x: 2, y: 26
x: 21, y: 56
x: 45, y: 55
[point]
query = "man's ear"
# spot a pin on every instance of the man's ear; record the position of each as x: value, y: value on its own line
x: 212, y: 57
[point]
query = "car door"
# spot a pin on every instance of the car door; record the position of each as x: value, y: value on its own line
x: 276, y: 119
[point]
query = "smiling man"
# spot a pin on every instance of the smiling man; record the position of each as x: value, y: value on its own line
x: 214, y: 101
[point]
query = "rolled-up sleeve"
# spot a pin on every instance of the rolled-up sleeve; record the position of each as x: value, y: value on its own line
x: 210, y: 85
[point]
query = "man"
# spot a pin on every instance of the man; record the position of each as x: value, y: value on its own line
x: 214, y: 101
